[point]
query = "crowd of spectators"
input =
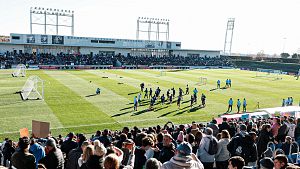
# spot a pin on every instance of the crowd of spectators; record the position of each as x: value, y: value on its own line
x: 234, y: 144
x: 81, y: 59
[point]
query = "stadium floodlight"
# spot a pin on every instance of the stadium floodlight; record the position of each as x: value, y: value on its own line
x: 45, y: 23
x: 149, y: 21
x: 33, y: 89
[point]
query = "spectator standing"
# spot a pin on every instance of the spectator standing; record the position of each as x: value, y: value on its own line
x: 22, y: 159
x: 184, y: 158
x: 105, y: 139
x: 54, y: 158
x: 87, y: 153
x: 68, y: 144
x: 75, y: 154
x: 213, y: 125
x: 206, y: 158
x: 140, y: 158
x: 297, y: 131
x: 280, y: 162
x: 153, y: 163
x: 236, y: 162
x: 37, y: 150
x: 8, y: 151
x: 168, y: 150
x: 263, y: 139
x: 223, y: 154
x: 224, y: 125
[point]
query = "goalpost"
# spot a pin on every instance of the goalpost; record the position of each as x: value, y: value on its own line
x: 269, y: 73
x: 20, y: 70
x: 33, y: 89
x: 163, y: 73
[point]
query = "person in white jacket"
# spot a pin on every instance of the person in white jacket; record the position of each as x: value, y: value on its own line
x: 184, y: 158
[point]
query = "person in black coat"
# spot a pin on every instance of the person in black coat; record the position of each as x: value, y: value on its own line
x: 264, y: 138
x: 224, y: 125
x: 54, y: 158
x: 8, y: 151
x: 69, y: 144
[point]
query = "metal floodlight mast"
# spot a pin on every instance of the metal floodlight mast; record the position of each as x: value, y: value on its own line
x: 152, y: 23
x: 228, y: 36
x: 36, y: 12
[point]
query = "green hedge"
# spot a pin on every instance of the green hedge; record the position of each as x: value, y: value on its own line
x: 253, y: 65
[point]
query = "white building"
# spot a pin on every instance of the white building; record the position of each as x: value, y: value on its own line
x: 36, y: 43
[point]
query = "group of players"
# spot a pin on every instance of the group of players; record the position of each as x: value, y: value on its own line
x: 227, y: 82
x: 238, y: 105
x: 168, y: 98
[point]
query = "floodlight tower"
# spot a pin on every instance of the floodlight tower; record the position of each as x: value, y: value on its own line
x: 153, y: 22
x: 228, y: 36
x: 36, y: 13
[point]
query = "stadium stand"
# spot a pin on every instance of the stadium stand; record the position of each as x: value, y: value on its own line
x: 79, y: 59
x: 239, y: 143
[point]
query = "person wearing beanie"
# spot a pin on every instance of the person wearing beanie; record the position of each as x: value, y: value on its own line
x: 22, y: 159
x: 266, y: 163
x: 184, y: 158
x: 54, y: 158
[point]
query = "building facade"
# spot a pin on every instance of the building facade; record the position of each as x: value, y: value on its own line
x: 37, y: 43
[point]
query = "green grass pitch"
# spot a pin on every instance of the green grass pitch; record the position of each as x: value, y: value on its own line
x: 69, y: 106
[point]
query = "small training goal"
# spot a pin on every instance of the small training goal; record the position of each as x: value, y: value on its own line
x: 20, y: 70
x: 202, y: 81
x: 33, y: 89
x: 163, y: 73
x: 269, y: 73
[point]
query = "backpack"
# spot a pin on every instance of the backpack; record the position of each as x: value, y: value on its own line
x: 235, y: 146
x: 213, y: 147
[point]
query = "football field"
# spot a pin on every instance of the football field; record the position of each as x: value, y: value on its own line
x: 70, y: 102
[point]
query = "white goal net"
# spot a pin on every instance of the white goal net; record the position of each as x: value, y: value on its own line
x: 202, y: 81
x: 163, y: 73
x: 20, y: 70
x: 33, y: 89
x: 268, y: 73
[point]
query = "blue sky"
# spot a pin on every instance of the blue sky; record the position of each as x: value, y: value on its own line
x: 272, y: 26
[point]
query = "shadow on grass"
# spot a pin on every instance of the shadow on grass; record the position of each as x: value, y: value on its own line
x: 91, y: 95
x: 126, y: 108
x: 196, y: 108
x: 163, y: 115
x: 7, y: 94
x: 12, y: 103
x: 133, y: 93
x: 120, y: 114
x: 161, y: 108
x: 140, y: 112
x: 189, y: 110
